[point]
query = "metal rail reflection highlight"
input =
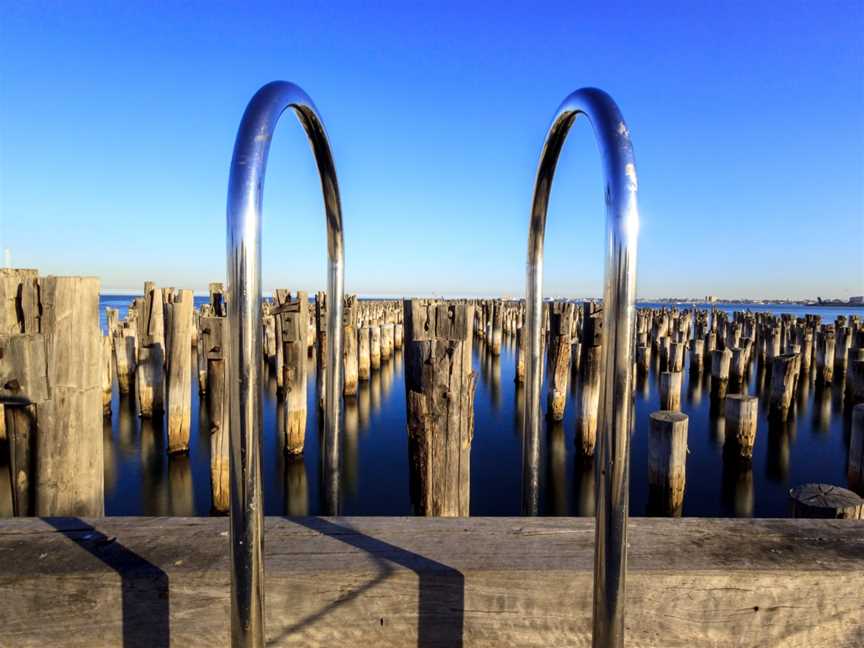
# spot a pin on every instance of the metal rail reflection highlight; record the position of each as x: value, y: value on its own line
x: 616, y: 388
x: 244, y: 343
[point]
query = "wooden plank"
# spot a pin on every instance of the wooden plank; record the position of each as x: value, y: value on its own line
x: 431, y: 582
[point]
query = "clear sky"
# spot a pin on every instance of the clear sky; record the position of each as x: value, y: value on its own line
x: 117, y: 122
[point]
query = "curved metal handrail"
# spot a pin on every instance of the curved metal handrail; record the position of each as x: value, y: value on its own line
x: 245, y: 187
x: 616, y: 395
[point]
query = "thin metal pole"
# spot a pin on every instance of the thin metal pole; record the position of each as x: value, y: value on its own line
x: 245, y: 187
x: 619, y: 313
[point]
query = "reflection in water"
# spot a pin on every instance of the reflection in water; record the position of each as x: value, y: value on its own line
x: 556, y: 480
x: 349, y: 460
x: 519, y: 409
x: 821, y: 408
x: 494, y: 372
x: 375, y: 390
x: 296, y: 486
x: 694, y: 391
x: 363, y: 404
x: 583, y: 485
x: 153, y: 458
x: 181, y: 501
x: 777, y: 459
x: 737, y: 487
x: 717, y: 423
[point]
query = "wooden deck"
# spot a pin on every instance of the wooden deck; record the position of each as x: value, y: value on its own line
x: 372, y: 582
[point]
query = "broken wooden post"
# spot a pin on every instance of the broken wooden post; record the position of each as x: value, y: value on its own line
x: 439, y: 386
x: 349, y: 346
x: 497, y: 323
x: 741, y: 413
x: 212, y: 333
x: 667, y: 460
x: 676, y: 357
x: 697, y: 349
x: 69, y: 438
x: 364, y: 363
x: 291, y: 317
x: 150, y: 368
x: 559, y: 361
x: 179, y: 391
x: 591, y: 369
x: 670, y: 390
x: 783, y: 372
x: 826, y: 501
x: 106, y: 366
x: 520, y: 356
x: 720, y: 361
x: 125, y: 352
x: 217, y: 299
x: 825, y: 356
x: 375, y: 346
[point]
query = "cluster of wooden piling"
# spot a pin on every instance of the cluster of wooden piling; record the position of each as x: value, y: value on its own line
x: 51, y: 383
x: 54, y: 377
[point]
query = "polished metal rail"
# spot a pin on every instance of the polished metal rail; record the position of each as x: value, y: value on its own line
x: 245, y: 187
x: 616, y: 395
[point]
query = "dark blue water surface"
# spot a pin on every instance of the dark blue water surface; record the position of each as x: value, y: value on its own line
x: 141, y: 479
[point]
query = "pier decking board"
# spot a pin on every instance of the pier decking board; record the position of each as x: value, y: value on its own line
x: 431, y: 582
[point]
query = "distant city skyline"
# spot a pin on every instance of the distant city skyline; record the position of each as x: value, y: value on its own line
x: 117, y: 124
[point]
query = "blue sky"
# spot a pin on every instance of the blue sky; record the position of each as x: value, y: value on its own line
x: 117, y: 122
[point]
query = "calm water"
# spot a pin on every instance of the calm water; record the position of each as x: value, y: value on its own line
x: 141, y: 479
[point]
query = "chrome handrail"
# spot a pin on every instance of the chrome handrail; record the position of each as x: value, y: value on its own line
x: 245, y: 187
x: 619, y: 313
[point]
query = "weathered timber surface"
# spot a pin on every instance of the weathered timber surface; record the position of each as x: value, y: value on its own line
x: 431, y: 582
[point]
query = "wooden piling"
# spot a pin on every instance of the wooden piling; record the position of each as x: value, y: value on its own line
x: 179, y: 390
x: 667, y: 459
x: 439, y: 386
x: 826, y: 501
x: 106, y: 366
x: 150, y: 368
x: 590, y: 376
x: 349, y: 347
x: 375, y: 346
x: 825, y: 356
x: 559, y: 362
x: 211, y: 335
x: 670, y: 390
x: 364, y: 364
x: 741, y: 412
x: 291, y: 316
x: 783, y: 371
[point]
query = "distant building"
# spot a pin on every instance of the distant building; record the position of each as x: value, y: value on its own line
x: 710, y: 299
x: 857, y: 300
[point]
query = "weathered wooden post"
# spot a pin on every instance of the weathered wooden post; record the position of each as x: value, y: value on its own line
x: 107, y: 374
x: 697, y: 349
x: 741, y: 413
x: 387, y: 334
x: 667, y: 460
x: 826, y: 501
x: 676, y: 356
x: 589, y: 396
x: 720, y: 361
x: 670, y: 390
x: 349, y: 348
x: 559, y: 361
x: 179, y: 318
x: 520, y: 355
x: 69, y: 461
x: 855, y: 470
x: 439, y: 386
x: 375, y: 346
x: 211, y: 336
x: 150, y: 369
x: 291, y: 317
x: 855, y: 376
x: 217, y: 299
x: 783, y: 371
x: 825, y: 356
x: 497, y: 323
x: 125, y: 352
x: 364, y: 361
